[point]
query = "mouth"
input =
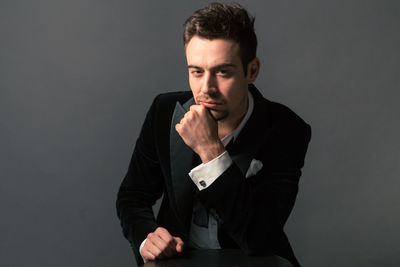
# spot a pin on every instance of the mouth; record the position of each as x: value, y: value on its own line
x: 209, y: 104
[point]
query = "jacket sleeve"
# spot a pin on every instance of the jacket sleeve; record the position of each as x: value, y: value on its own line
x: 141, y: 187
x: 253, y: 211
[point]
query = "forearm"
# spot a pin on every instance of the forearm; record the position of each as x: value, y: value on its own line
x: 136, y: 221
x: 138, y: 192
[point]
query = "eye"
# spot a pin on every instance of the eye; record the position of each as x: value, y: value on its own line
x: 223, y: 73
x: 196, y: 73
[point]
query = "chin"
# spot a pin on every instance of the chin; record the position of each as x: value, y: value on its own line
x: 218, y: 115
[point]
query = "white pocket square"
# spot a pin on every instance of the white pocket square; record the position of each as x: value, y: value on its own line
x: 255, y: 166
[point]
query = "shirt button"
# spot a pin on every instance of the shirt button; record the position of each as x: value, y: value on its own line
x: 203, y: 183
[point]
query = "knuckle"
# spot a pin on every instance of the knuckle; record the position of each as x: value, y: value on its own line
x: 160, y: 230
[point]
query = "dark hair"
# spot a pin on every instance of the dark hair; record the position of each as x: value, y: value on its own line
x: 225, y: 21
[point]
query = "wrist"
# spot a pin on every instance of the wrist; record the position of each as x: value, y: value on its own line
x: 211, y: 151
x: 140, y: 251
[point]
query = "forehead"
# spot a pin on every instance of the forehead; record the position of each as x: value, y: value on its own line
x: 200, y: 51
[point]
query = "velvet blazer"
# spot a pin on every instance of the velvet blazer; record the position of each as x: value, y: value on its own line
x: 251, y: 212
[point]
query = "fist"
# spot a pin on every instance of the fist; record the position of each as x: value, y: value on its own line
x: 199, y: 131
x: 160, y: 244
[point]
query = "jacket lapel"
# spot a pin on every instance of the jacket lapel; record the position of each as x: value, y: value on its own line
x: 181, y: 157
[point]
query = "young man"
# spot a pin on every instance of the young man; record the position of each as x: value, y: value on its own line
x: 226, y: 159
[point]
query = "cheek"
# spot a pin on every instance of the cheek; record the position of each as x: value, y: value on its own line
x: 230, y: 90
x: 226, y: 87
x: 194, y: 87
x: 235, y: 97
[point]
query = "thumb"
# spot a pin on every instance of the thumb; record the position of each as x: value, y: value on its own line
x: 179, y: 244
x: 209, y: 114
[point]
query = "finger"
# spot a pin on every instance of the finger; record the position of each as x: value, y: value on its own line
x: 152, y: 250
x: 202, y: 107
x: 207, y: 113
x: 190, y: 115
x: 205, y: 110
x: 195, y: 107
x: 178, y: 127
x: 162, y: 244
x: 202, y: 110
x: 147, y: 255
x: 167, y: 237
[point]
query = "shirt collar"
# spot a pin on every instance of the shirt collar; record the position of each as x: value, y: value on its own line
x: 235, y: 133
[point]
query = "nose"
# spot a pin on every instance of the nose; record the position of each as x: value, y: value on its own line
x: 209, y: 84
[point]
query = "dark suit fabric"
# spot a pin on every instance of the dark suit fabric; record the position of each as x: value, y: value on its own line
x: 251, y: 211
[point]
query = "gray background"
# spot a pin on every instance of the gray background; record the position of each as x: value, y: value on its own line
x: 77, y: 77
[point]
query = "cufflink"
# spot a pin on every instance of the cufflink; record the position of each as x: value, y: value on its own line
x: 203, y: 183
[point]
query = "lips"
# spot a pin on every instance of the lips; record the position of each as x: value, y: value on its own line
x: 209, y: 104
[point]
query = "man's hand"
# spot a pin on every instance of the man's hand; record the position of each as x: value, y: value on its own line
x: 161, y: 244
x: 199, y: 130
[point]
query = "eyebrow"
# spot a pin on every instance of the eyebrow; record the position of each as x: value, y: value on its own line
x: 220, y: 66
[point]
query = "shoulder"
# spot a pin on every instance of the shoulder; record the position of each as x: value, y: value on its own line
x: 281, y: 118
x: 286, y: 122
x: 162, y: 108
x: 283, y: 115
x: 165, y: 102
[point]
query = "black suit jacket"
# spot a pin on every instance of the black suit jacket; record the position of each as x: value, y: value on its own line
x: 251, y: 211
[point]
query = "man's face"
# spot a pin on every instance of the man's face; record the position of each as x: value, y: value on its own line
x: 216, y: 78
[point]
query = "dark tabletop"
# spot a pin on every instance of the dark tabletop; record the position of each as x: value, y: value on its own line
x: 219, y: 258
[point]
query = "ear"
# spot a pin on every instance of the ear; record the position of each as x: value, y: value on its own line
x: 252, y: 70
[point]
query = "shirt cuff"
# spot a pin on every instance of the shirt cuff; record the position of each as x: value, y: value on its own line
x: 140, y: 250
x: 205, y: 174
